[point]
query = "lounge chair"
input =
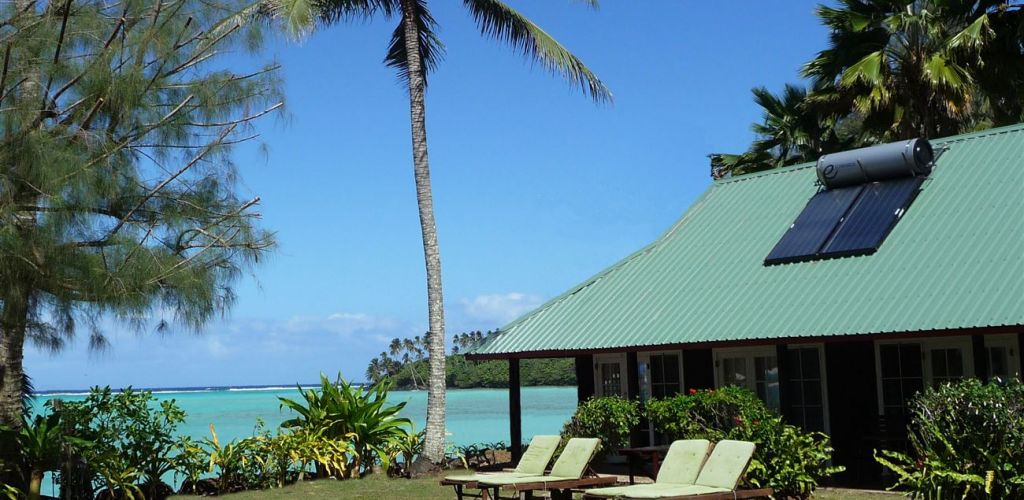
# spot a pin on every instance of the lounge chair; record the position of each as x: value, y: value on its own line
x: 533, y: 463
x: 717, y: 480
x: 681, y: 466
x: 568, y: 473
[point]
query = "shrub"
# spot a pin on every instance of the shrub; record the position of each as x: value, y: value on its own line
x: 788, y: 459
x: 609, y: 418
x: 132, y: 435
x: 967, y: 441
x: 340, y: 410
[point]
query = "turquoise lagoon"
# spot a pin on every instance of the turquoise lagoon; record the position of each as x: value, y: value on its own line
x: 474, y: 415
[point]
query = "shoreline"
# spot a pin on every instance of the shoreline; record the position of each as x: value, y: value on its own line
x: 247, y: 388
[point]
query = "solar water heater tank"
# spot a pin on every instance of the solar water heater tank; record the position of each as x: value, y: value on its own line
x: 876, y: 163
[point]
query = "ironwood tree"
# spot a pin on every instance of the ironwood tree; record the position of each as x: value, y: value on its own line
x: 118, y: 199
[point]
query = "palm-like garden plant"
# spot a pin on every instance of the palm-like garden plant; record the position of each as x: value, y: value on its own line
x: 924, y: 67
x: 342, y: 411
x: 414, y: 50
x: 42, y: 442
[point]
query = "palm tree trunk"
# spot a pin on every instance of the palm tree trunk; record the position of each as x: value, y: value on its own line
x: 433, y: 446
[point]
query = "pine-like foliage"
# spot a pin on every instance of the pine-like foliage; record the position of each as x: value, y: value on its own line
x: 117, y: 190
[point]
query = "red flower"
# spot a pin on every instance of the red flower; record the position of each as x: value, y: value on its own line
x: 738, y: 420
x: 693, y: 391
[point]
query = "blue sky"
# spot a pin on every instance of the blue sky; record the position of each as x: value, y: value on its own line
x: 536, y: 188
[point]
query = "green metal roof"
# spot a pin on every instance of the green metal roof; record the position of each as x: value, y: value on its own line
x: 954, y: 261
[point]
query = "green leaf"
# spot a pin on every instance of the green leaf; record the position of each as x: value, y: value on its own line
x: 501, y: 22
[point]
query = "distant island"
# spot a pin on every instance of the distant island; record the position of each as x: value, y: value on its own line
x: 406, y: 365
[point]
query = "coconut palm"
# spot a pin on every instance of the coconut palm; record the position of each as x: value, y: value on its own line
x: 414, y: 50
x: 794, y: 128
x: 925, y: 67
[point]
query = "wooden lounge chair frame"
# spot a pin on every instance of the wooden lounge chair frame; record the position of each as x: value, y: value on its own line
x: 728, y: 495
x: 560, y: 490
x: 725, y: 495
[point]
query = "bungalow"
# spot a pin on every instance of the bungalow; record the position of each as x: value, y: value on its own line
x: 753, y: 287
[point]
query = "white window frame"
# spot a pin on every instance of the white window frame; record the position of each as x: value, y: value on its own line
x: 1009, y: 342
x: 823, y: 368
x: 624, y: 374
x: 645, y: 357
x: 962, y: 342
x: 748, y: 353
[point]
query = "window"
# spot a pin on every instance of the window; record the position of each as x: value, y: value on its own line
x: 610, y: 375
x: 611, y: 379
x: 947, y: 366
x: 998, y: 363
x: 756, y: 369
x: 907, y: 367
x: 665, y: 375
x: 1002, y: 356
x: 902, y: 376
x: 805, y: 390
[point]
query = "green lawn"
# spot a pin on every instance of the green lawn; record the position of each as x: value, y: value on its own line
x: 380, y: 488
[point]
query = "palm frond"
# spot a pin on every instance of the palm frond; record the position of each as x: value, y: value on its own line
x: 301, y: 17
x: 431, y: 47
x: 973, y: 37
x: 501, y: 22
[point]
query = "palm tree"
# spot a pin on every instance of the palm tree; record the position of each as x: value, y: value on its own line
x: 794, y: 128
x: 414, y: 50
x: 923, y: 68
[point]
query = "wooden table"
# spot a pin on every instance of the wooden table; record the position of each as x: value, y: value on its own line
x: 642, y: 454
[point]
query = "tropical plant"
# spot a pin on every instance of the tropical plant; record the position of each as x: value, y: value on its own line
x: 610, y: 418
x: 133, y: 435
x: 406, y: 448
x: 190, y: 461
x: 10, y: 492
x: 42, y: 444
x: 789, y: 460
x: 117, y: 196
x: 415, y: 50
x: 794, y: 129
x: 923, y: 68
x: 341, y: 410
x: 227, y: 461
x: 329, y: 456
x: 967, y: 442
x: 118, y: 478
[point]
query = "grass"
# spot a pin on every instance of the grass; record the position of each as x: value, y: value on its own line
x: 379, y: 487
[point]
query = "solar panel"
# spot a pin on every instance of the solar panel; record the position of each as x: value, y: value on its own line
x: 874, y: 214
x: 814, y: 225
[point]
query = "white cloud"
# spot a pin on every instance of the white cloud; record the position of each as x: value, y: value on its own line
x: 217, y: 348
x: 343, y: 324
x: 500, y: 308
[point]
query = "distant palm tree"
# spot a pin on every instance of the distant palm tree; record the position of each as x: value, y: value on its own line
x: 414, y: 50
x: 395, y: 347
x: 925, y: 67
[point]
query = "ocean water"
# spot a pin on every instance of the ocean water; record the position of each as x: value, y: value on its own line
x: 473, y: 416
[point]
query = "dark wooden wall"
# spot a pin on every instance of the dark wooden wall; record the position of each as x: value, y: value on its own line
x: 1020, y: 352
x: 853, y: 407
x: 980, y: 356
x: 698, y: 369
x: 584, y: 377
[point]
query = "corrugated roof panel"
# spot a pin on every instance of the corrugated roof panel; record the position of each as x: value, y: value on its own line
x: 954, y: 260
